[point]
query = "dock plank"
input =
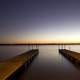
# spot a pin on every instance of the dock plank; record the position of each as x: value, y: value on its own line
x: 8, y: 67
x: 72, y: 55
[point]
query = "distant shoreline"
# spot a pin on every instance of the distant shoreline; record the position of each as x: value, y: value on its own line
x: 44, y: 44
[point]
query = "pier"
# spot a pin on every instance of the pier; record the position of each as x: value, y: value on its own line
x: 9, y: 68
x: 73, y: 56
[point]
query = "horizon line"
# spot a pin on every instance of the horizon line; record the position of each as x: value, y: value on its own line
x: 39, y: 43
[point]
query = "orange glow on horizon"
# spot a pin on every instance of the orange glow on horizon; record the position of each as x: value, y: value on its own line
x: 50, y: 40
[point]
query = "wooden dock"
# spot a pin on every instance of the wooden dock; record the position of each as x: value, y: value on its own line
x: 10, y: 67
x: 71, y: 55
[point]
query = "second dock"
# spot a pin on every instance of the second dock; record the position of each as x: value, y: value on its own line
x: 71, y: 55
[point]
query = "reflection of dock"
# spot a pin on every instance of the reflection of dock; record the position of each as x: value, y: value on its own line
x: 71, y: 55
x: 10, y: 68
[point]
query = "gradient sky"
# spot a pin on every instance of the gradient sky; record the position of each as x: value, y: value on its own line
x: 23, y: 21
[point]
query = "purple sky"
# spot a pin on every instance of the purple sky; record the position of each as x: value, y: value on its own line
x: 39, y: 21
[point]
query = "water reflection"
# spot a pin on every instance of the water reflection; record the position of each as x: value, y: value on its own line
x: 48, y: 65
x: 7, y: 52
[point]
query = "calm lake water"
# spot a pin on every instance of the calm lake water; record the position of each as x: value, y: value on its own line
x: 48, y: 65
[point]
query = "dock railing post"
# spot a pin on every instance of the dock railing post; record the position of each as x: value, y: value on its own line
x: 61, y: 46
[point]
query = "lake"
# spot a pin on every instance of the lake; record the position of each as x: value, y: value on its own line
x: 48, y: 65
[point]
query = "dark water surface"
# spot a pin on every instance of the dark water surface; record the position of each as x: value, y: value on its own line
x: 48, y: 65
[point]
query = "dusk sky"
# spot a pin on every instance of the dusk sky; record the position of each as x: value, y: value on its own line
x: 24, y: 21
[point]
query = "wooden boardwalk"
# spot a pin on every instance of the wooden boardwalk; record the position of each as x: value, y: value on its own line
x: 11, y: 66
x: 71, y: 55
